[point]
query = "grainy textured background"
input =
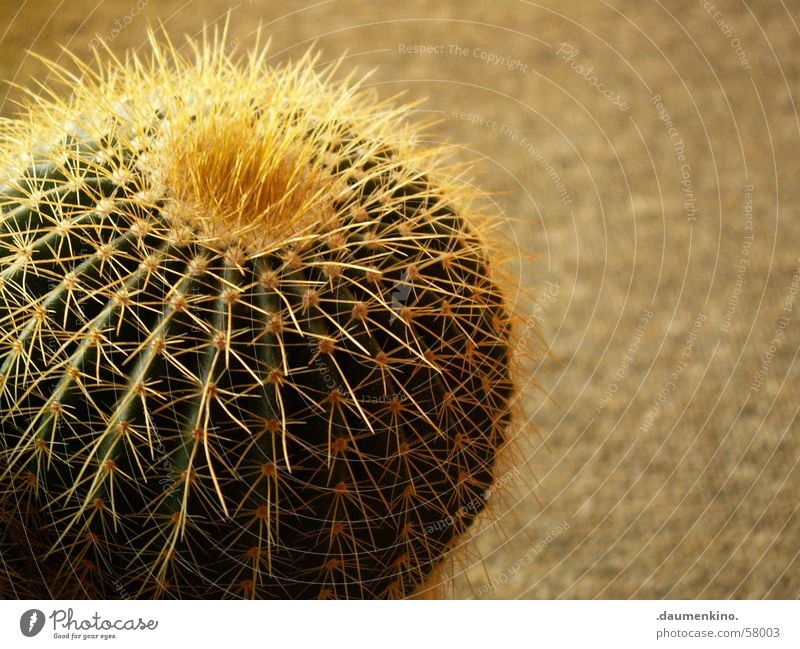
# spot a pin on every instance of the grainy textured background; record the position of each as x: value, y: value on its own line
x: 666, y: 458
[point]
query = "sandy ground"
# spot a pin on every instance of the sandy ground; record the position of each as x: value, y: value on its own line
x: 645, y: 158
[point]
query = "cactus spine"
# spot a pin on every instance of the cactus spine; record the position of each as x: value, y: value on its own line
x: 250, y: 345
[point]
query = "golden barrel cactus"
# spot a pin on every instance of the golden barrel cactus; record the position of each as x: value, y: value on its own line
x: 250, y: 343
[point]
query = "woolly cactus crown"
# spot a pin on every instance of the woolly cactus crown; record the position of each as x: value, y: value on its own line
x: 250, y: 342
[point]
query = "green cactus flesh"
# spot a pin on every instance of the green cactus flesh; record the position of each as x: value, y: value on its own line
x: 189, y: 416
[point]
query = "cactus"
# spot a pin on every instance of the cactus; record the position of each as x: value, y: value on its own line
x: 250, y: 342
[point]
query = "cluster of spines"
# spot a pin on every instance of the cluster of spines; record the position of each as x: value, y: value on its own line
x: 192, y: 416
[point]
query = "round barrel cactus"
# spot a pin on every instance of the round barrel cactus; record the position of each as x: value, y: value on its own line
x: 250, y: 342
